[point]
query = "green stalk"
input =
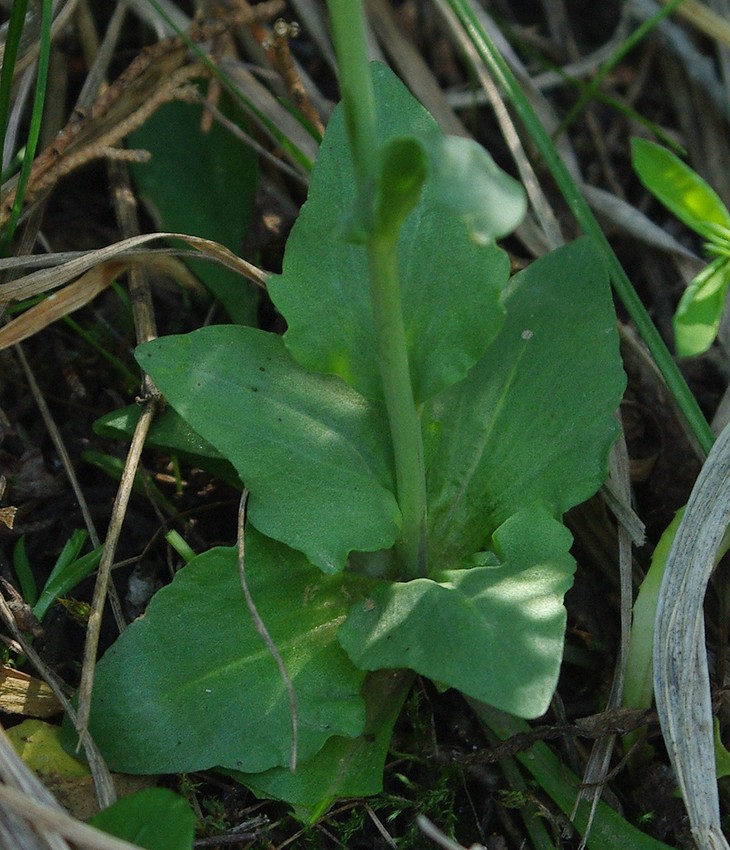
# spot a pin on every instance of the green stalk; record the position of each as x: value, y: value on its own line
x: 356, y: 86
x: 348, y: 30
x: 405, y: 424
x: 583, y: 214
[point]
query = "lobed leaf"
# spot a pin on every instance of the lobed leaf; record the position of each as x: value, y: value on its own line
x: 314, y: 453
x: 193, y: 686
x: 494, y: 632
x: 535, y: 418
x: 450, y: 285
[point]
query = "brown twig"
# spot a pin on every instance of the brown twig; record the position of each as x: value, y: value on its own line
x: 107, y: 557
x: 282, y: 31
x: 100, y: 772
x: 617, y: 722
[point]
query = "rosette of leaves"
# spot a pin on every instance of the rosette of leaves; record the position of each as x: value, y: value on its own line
x: 515, y: 380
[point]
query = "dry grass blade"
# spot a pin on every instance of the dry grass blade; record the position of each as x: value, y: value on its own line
x: 43, y: 280
x: 600, y: 758
x: 103, y: 576
x: 51, y: 819
x: 78, y: 294
x: 63, y: 12
x: 632, y: 221
x: 681, y: 678
x: 431, y: 831
x: 413, y: 68
x: 705, y: 20
x: 15, y: 831
x: 264, y: 103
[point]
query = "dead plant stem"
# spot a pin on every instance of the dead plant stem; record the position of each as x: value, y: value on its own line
x: 260, y: 627
x: 103, y: 782
x: 103, y: 577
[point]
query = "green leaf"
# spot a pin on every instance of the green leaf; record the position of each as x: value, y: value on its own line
x: 403, y: 171
x: 495, y: 632
x: 722, y: 756
x: 203, y: 184
x: 344, y: 767
x: 156, y: 819
x: 451, y: 286
x: 64, y: 578
x: 535, y: 418
x: 468, y: 182
x: 171, y: 433
x: 313, y: 452
x: 678, y: 187
x: 24, y: 573
x: 193, y: 686
x: 700, y: 309
x: 608, y: 830
x: 638, y: 684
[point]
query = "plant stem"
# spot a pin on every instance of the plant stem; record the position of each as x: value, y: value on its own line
x: 405, y: 424
x: 356, y: 86
x: 348, y: 30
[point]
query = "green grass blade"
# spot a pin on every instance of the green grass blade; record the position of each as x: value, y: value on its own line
x: 34, y: 130
x: 10, y: 56
x: 65, y: 580
x: 591, y: 90
x: 609, y: 831
x: 26, y: 579
x: 581, y: 210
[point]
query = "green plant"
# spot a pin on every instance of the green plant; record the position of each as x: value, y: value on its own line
x: 410, y: 447
x: 488, y: 52
x: 215, y: 168
x: 70, y: 569
x: 155, y: 818
x: 16, y: 24
x: 689, y: 197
